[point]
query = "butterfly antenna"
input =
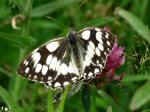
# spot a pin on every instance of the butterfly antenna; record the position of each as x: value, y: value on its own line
x: 82, y: 3
x: 59, y: 23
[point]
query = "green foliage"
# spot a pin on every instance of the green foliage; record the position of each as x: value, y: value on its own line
x: 86, y: 98
x: 17, y: 40
x: 9, y: 100
x: 62, y: 102
x: 45, y: 9
x: 137, y: 25
x: 140, y: 97
x: 44, y: 20
x: 50, y: 102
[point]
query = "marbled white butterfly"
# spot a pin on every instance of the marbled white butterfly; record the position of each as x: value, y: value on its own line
x: 80, y: 56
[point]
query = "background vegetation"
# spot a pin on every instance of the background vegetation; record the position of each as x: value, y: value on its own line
x: 46, y: 19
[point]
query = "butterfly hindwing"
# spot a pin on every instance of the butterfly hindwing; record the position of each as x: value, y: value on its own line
x: 97, y: 43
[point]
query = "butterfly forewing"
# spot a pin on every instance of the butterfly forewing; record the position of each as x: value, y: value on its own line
x: 67, y: 60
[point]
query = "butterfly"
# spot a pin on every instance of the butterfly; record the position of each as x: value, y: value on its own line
x: 67, y: 60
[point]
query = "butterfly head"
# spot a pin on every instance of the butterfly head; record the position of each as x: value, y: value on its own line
x: 72, y: 37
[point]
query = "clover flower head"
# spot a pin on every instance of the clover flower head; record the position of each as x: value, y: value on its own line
x: 115, y: 60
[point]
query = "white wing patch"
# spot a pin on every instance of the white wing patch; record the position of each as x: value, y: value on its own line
x: 36, y: 58
x: 44, y: 70
x: 97, y: 52
x: 52, y: 46
x: 70, y: 68
x: 96, y: 70
x: 90, y: 74
x: 63, y: 69
x: 100, y: 46
x: 57, y: 84
x: 57, y: 65
x: 65, y: 83
x: 53, y: 63
x: 38, y: 68
x: 99, y: 37
x: 86, y: 34
x: 48, y: 60
x: 92, y: 45
x: 27, y: 70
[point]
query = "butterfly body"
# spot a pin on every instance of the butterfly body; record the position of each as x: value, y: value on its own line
x: 72, y: 37
x: 63, y: 61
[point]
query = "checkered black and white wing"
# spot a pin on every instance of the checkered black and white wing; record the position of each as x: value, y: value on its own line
x: 67, y: 60
x: 96, y: 44
x: 50, y: 64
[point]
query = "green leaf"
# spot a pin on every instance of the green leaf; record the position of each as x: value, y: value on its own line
x: 18, y: 40
x: 141, y: 97
x: 17, y: 86
x: 50, y: 101
x: 101, y: 102
x: 3, y: 70
x: 9, y: 100
x: 135, y: 78
x: 105, y: 96
x: 148, y: 110
x: 98, y: 22
x: 50, y: 23
x: 45, y: 9
x: 110, y: 100
x: 135, y: 23
x: 62, y: 103
x: 86, y: 98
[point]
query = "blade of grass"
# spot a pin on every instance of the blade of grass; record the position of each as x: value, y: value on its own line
x: 50, y: 101
x: 136, y: 78
x: 9, y: 100
x: 105, y: 96
x: 86, y: 98
x: 93, y: 107
x: 100, y: 102
x: 134, y: 22
x: 62, y: 103
x: 98, y: 22
x: 144, y: 8
x: 45, y: 9
x: 148, y: 110
x: 46, y: 24
x: 141, y: 97
x: 20, y: 41
x: 2, y: 70
x: 17, y: 85
x: 110, y: 100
